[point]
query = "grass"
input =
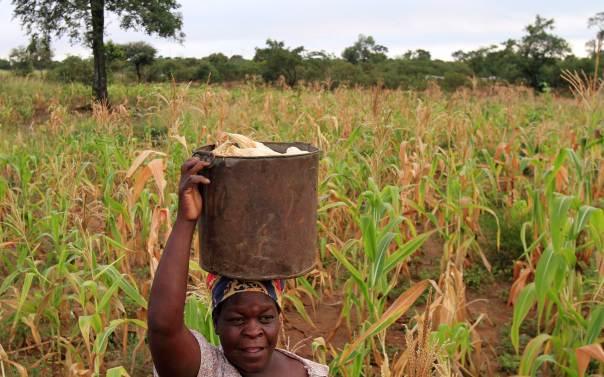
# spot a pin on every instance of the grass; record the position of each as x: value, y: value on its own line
x: 498, y: 180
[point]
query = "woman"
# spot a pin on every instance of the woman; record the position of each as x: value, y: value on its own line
x: 245, y: 313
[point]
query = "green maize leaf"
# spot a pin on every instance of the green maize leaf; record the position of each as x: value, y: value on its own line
x: 369, y: 236
x: 101, y: 341
x: 550, y: 178
x: 307, y: 287
x: 8, y: 281
x: 102, y: 271
x: 569, y: 255
x: 299, y: 308
x: 116, y: 238
x: 89, y: 286
x: 115, y: 243
x: 89, y: 322
x: 523, y: 305
x: 595, y: 324
x: 597, y: 227
x: 537, y: 212
x: 356, y: 274
x: 528, y: 249
x: 97, y: 323
x: 329, y: 206
x: 406, y: 250
x: 198, y: 316
x: 576, y: 162
x: 117, y: 372
x: 548, y: 269
x: 532, y: 350
x: 393, y: 225
x: 382, y: 254
x: 494, y: 215
x: 540, y: 360
x: 583, y: 217
x: 23, y: 296
x: 559, y: 219
x: 126, y: 287
x: 352, y: 137
x: 107, y: 297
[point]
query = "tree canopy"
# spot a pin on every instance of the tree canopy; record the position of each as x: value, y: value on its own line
x: 36, y: 55
x: 279, y: 61
x: 84, y: 22
x: 139, y: 54
x: 365, y: 50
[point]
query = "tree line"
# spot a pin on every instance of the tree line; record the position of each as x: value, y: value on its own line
x: 537, y: 59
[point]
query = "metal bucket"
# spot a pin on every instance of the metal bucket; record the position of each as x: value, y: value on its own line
x: 259, y: 214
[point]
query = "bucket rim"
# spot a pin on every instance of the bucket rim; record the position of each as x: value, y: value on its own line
x: 314, y: 151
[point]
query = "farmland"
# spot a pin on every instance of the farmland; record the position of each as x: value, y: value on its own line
x: 459, y: 233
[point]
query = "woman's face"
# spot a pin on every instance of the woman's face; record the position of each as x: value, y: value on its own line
x: 248, y: 325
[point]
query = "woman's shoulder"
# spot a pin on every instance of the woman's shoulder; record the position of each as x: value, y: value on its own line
x: 212, y: 362
x: 312, y: 368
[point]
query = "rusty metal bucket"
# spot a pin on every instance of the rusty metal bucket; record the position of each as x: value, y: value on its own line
x: 259, y: 214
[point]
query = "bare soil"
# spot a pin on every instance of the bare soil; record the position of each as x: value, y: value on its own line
x: 489, y: 300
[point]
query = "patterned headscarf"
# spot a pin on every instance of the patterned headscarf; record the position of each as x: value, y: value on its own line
x: 223, y: 287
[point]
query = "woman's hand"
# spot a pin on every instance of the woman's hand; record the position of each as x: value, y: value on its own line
x: 189, y: 198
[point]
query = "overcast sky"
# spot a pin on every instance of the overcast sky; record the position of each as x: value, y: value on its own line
x: 442, y: 27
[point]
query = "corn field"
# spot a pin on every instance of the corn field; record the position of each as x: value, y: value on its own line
x: 430, y: 204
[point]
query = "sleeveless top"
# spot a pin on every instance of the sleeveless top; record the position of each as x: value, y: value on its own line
x: 215, y: 364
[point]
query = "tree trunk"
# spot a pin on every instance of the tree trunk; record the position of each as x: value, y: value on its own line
x: 598, y: 49
x: 138, y: 72
x: 99, y: 84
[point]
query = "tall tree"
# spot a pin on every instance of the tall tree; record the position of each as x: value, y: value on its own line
x: 83, y: 21
x: 139, y: 54
x: 418, y: 54
x: 37, y: 54
x: 365, y: 50
x: 40, y: 51
x: 540, y: 49
x: 278, y: 60
x: 597, y: 22
x: 21, y: 61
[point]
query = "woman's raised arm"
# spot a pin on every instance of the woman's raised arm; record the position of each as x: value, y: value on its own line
x: 174, y: 349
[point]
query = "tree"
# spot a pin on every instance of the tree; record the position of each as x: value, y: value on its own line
x: 418, y: 54
x: 139, y: 54
x: 540, y: 49
x: 36, y: 55
x: 114, y: 52
x: 72, y: 69
x: 502, y: 62
x: 597, y: 21
x: 365, y: 50
x: 39, y: 51
x: 21, y: 61
x: 277, y: 61
x: 84, y: 21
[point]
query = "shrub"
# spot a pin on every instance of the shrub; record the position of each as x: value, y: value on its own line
x: 73, y: 69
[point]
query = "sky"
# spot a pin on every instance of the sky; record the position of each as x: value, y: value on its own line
x: 441, y: 27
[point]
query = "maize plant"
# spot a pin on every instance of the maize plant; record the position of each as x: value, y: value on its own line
x: 417, y: 189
